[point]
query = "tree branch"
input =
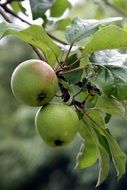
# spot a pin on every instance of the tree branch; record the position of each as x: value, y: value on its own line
x: 4, y: 6
x: 57, y: 40
x: 2, y: 13
x: 38, y: 53
x: 9, y: 20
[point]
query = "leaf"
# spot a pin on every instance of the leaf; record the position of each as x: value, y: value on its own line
x: 59, y: 7
x: 121, y: 4
x: 62, y: 24
x: 110, y: 105
x: 102, y: 153
x: 118, y: 156
x: 39, y: 7
x: 104, y: 80
x: 74, y: 76
x: 88, y: 153
x: 109, y: 56
x: 18, y: 7
x: 104, y: 158
x: 96, y: 116
x: 103, y: 164
x: 65, y: 48
x: 99, y: 140
x: 73, y: 58
x: 34, y: 35
x: 107, y: 118
x: 112, y: 80
x: 6, y: 27
x: 102, y: 40
x: 80, y: 28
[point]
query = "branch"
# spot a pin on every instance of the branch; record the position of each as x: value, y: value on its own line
x: 13, y: 13
x: 9, y: 20
x: 116, y: 8
x: 8, y: 2
x: 65, y: 61
x: 7, y: 10
x: 57, y: 40
x: 2, y: 13
x: 4, y: 6
x: 38, y: 53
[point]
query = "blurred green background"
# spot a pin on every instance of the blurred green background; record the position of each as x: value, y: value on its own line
x: 26, y: 162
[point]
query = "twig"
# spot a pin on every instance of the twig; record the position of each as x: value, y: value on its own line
x: 7, y: 10
x: 96, y: 124
x: 74, y: 63
x: 77, y: 93
x: 38, y: 53
x: 4, y: 6
x: 84, y: 101
x: 64, y: 70
x: 65, y: 62
x: 56, y: 39
x: 4, y: 15
x: 8, y: 2
x: 23, y: 20
x: 13, y: 13
x: 116, y: 8
x: 9, y: 20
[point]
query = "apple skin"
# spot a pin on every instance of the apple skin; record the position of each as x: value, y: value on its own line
x: 57, y: 124
x: 34, y: 82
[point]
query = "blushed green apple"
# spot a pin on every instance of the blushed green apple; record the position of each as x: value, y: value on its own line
x: 57, y: 124
x: 34, y: 82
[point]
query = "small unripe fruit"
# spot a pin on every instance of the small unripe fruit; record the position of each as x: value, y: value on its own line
x: 34, y: 82
x: 57, y: 124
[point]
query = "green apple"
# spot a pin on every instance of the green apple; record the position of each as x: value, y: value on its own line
x: 34, y: 82
x: 57, y: 124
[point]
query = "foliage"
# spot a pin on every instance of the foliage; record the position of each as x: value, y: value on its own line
x: 92, y: 75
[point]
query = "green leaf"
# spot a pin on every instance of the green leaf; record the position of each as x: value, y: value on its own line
x: 39, y: 7
x: 107, y: 118
x: 110, y: 105
x: 18, y: 7
x: 96, y: 116
x: 6, y: 27
x: 112, y: 80
x: 104, y: 158
x: 103, y: 164
x: 73, y: 76
x: 118, y: 156
x: 36, y: 36
x: 101, y: 152
x: 102, y: 40
x: 59, y: 7
x: 104, y: 80
x: 73, y: 58
x: 121, y: 4
x: 88, y: 153
x: 62, y: 24
x: 80, y: 28
x: 110, y: 57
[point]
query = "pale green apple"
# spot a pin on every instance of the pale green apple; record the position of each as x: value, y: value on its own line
x: 57, y: 124
x: 34, y: 82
